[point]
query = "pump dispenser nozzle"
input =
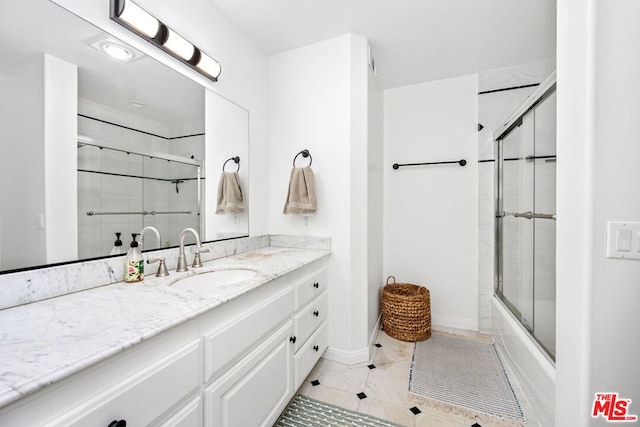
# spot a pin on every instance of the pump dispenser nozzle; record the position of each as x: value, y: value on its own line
x: 117, y: 246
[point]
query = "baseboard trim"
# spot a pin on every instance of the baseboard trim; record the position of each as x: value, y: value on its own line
x: 347, y: 357
x: 454, y: 322
x: 376, y: 329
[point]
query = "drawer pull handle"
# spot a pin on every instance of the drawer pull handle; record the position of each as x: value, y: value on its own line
x: 293, y: 340
x: 316, y: 348
x: 316, y: 313
x: 116, y: 423
x: 316, y: 285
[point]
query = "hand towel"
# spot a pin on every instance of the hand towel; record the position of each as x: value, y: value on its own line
x: 301, y: 198
x: 230, y: 198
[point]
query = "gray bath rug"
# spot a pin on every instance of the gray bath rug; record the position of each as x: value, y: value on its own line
x: 466, y: 377
x: 303, y: 411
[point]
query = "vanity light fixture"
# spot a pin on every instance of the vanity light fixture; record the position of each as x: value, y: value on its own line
x: 134, y: 18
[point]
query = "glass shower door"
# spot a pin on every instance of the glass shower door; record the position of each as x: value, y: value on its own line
x: 526, y: 221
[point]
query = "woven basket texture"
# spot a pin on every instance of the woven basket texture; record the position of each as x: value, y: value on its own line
x: 406, y: 312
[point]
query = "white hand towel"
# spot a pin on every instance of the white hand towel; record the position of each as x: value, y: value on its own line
x: 230, y: 199
x: 301, y: 198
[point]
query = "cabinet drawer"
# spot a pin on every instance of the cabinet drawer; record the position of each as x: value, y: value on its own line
x: 309, y: 319
x: 310, y: 287
x: 305, y: 359
x: 144, y: 396
x: 232, y: 339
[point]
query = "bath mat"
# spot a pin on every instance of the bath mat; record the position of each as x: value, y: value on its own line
x: 465, y: 377
x: 303, y: 411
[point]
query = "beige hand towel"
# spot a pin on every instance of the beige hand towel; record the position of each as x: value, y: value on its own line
x: 301, y: 199
x: 230, y: 198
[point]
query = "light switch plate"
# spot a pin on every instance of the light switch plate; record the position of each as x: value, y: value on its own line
x: 623, y: 240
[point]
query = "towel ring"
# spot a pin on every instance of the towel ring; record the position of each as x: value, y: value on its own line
x: 235, y: 159
x: 305, y: 154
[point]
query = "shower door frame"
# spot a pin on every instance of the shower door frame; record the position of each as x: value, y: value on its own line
x: 544, y: 90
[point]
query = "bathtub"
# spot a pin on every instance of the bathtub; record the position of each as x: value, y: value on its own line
x: 527, y: 365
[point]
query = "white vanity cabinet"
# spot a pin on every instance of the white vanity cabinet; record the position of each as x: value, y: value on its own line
x: 250, y: 381
x: 238, y: 364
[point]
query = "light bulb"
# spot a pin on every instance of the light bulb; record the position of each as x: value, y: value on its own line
x: 139, y: 19
x: 209, y: 66
x: 117, y: 52
x: 178, y: 45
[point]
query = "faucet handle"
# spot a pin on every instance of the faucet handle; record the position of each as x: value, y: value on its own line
x: 196, y: 261
x: 162, y: 267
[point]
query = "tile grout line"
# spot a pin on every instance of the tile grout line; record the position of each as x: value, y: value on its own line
x: 366, y: 382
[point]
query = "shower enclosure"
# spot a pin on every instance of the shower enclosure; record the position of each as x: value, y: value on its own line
x: 525, y: 159
x: 123, y: 191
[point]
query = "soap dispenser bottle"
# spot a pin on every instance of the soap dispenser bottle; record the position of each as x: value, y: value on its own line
x: 117, y: 246
x: 134, y: 263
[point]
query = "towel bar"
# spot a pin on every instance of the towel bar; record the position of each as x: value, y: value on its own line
x: 461, y: 162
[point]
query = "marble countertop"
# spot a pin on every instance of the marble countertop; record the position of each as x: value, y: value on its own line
x: 46, y: 341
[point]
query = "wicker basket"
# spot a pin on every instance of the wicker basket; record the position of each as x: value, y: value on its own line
x: 406, y: 311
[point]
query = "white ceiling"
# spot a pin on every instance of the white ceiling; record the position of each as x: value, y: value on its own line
x: 413, y: 41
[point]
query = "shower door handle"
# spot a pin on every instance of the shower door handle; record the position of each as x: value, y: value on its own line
x: 528, y: 215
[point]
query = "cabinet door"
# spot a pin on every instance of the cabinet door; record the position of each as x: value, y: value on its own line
x: 189, y: 415
x: 255, y: 390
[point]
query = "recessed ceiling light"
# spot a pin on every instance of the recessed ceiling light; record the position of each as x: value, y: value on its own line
x: 116, y: 51
x: 114, y: 48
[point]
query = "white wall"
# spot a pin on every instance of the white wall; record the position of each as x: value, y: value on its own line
x: 375, y: 201
x: 21, y: 164
x: 318, y: 101
x: 430, y: 212
x: 244, y: 70
x: 38, y: 134
x: 60, y: 159
x: 598, y: 298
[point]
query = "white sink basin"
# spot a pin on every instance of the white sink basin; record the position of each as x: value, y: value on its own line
x: 211, y: 279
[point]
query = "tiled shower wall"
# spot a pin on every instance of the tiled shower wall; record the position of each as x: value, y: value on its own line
x: 500, y: 93
x: 101, y: 192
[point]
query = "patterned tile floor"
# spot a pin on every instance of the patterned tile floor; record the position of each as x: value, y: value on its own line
x: 378, y: 387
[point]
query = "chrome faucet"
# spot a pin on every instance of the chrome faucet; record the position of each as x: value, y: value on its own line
x: 155, y: 230
x: 162, y: 266
x: 182, y: 259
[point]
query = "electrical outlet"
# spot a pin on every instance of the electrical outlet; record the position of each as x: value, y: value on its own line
x: 40, y: 221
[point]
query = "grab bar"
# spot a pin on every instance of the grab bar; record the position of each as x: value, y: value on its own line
x: 528, y: 215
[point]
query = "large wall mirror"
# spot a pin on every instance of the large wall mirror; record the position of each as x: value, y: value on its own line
x: 91, y: 146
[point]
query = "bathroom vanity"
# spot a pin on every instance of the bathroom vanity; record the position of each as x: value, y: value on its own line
x: 154, y: 353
